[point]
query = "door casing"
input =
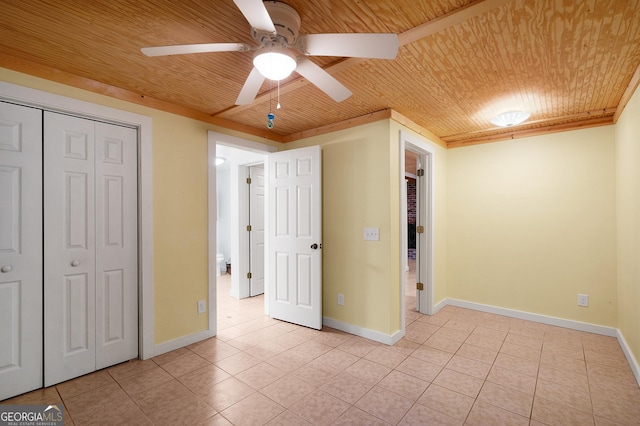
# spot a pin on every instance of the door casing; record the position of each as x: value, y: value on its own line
x: 424, y: 260
x: 52, y: 102
x: 213, y: 139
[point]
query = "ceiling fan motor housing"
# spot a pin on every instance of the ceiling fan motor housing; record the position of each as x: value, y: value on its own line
x: 285, y: 19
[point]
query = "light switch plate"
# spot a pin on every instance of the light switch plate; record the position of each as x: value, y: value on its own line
x: 202, y: 306
x: 372, y: 234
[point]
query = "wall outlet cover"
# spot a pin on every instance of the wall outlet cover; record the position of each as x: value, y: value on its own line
x: 583, y: 300
x: 340, y: 299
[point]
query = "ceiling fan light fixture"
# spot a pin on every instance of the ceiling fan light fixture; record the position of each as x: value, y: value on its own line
x: 511, y: 118
x: 275, y: 63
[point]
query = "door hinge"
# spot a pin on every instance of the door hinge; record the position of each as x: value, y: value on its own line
x: 249, y: 275
x: 248, y: 181
x: 420, y: 172
x: 419, y: 286
x: 419, y: 229
x: 249, y: 228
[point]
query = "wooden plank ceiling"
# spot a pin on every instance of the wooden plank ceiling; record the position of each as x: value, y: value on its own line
x: 571, y: 63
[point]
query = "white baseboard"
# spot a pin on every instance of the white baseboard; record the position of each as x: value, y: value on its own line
x: 172, y: 345
x: 544, y: 319
x: 387, y: 339
x: 560, y: 322
x: 629, y: 355
x: 441, y: 304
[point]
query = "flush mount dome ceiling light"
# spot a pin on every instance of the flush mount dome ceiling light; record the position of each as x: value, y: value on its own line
x: 275, y: 63
x: 511, y: 118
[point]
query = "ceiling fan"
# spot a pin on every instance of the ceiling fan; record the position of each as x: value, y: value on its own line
x: 282, y: 49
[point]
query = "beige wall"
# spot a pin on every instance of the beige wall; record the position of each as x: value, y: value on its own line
x: 525, y: 224
x: 179, y: 207
x: 628, y: 209
x: 532, y: 224
x: 361, y: 188
x: 356, y: 188
x: 439, y: 211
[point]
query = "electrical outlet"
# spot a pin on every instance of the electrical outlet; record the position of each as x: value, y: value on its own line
x: 202, y: 306
x: 583, y: 300
x: 340, y: 299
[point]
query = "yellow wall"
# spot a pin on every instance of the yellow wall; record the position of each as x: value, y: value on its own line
x: 361, y: 188
x: 525, y: 224
x: 628, y: 211
x: 356, y: 187
x: 532, y: 224
x: 439, y: 211
x: 179, y: 207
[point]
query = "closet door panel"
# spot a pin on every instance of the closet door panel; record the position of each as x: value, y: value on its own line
x: 69, y: 235
x: 20, y: 249
x: 116, y: 245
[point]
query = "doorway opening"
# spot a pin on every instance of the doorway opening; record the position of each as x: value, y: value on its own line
x: 240, y: 193
x: 231, y: 254
x: 417, y: 228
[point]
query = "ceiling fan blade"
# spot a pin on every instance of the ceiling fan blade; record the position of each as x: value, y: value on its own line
x: 257, y: 15
x: 181, y: 49
x: 250, y: 89
x: 379, y: 46
x: 322, y: 79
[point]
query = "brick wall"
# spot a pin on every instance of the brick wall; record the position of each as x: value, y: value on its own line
x: 411, y: 215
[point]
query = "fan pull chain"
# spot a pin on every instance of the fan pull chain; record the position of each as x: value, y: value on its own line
x: 270, y: 116
x: 278, y: 106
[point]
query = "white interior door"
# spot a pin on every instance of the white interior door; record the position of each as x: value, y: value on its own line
x: 20, y: 249
x: 116, y: 244
x: 295, y: 231
x: 256, y: 220
x: 69, y: 264
x: 90, y: 270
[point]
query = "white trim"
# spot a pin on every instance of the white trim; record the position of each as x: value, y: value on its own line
x: 235, y: 142
x: 628, y: 353
x: 52, y: 102
x: 404, y: 237
x: 426, y: 209
x: 529, y: 316
x: 240, y: 235
x: 181, y: 342
x: 441, y: 304
x: 387, y: 339
x: 558, y: 322
x: 212, y: 217
x: 214, y: 138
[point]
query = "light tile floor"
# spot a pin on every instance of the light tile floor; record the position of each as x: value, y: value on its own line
x: 453, y: 368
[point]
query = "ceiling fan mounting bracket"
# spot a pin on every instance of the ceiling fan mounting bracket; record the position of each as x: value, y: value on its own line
x: 286, y: 21
x: 267, y: 39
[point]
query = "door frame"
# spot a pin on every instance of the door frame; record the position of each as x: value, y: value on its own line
x: 250, y: 201
x: 21, y: 95
x: 243, y: 247
x: 424, y: 199
x: 214, y: 138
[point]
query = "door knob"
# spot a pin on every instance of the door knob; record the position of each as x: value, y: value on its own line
x: 315, y: 246
x: 7, y: 268
x: 75, y: 263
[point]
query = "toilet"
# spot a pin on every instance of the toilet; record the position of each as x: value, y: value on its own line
x: 220, y: 263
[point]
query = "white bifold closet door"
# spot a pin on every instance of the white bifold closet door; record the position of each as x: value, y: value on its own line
x: 90, y: 245
x: 20, y: 249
